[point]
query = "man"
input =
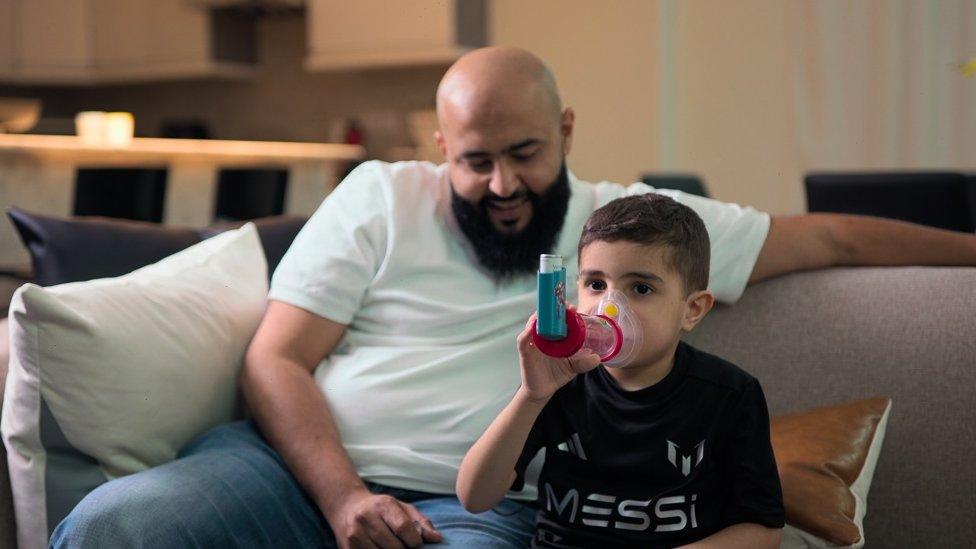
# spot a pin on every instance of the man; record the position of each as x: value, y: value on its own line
x: 388, y: 343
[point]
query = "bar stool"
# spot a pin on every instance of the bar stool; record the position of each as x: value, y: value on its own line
x: 126, y: 193
x: 937, y: 199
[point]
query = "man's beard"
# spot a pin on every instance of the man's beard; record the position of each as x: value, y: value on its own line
x: 509, y: 255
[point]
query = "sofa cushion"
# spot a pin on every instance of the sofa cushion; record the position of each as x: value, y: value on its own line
x: 111, y: 376
x: 826, y: 458
x: 84, y: 248
x: 839, y: 334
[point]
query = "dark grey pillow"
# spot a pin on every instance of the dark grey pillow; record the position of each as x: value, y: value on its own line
x: 82, y: 248
x: 277, y: 233
x: 68, y: 250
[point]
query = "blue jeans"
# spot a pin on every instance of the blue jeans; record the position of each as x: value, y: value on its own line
x: 229, y: 488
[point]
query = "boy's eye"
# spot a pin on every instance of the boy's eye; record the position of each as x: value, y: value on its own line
x: 596, y: 285
x: 643, y: 289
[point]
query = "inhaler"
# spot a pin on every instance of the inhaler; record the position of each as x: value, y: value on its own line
x: 611, y: 330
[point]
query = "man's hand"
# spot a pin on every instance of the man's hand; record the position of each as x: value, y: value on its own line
x: 367, y: 520
x: 294, y: 416
x: 543, y: 375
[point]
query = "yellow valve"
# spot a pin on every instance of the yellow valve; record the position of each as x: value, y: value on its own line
x: 969, y: 69
x: 611, y: 310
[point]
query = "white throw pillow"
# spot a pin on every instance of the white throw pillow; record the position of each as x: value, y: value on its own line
x: 112, y: 376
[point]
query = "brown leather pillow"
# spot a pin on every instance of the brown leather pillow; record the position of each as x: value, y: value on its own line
x: 826, y: 458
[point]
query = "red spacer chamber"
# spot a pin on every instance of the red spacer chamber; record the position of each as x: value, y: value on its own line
x: 598, y: 333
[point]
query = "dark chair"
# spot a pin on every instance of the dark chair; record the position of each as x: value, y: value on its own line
x: 125, y: 193
x: 689, y: 183
x: 937, y: 199
x: 250, y: 193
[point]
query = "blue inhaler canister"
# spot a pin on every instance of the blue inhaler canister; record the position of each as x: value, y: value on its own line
x: 551, y: 301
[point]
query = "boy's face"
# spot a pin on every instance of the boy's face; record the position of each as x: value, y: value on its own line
x: 655, y: 293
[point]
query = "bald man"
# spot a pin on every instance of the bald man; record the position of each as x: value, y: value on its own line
x: 388, y: 344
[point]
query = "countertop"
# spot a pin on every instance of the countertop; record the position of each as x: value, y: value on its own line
x: 156, y: 150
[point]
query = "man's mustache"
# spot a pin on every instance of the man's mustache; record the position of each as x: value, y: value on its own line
x: 492, y: 198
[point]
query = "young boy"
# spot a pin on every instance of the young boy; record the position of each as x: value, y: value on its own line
x: 669, y: 449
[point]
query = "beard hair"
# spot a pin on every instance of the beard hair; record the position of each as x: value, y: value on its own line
x: 507, y: 256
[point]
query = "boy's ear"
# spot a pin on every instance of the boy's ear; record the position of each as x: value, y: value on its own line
x: 697, y: 306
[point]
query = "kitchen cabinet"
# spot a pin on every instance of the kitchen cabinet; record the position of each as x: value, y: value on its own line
x: 52, y: 42
x: 378, y: 33
x: 160, y: 39
x: 117, y: 41
x: 6, y: 37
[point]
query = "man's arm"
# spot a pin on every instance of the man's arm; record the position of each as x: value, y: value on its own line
x: 744, y: 535
x: 815, y: 241
x: 295, y: 418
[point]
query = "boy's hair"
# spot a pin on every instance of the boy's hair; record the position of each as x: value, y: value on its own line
x: 655, y: 220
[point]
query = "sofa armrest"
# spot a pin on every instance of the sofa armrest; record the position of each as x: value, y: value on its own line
x: 7, y: 525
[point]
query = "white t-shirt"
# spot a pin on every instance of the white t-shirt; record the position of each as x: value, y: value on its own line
x: 429, y: 359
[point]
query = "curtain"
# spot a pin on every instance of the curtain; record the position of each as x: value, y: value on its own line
x: 880, y: 84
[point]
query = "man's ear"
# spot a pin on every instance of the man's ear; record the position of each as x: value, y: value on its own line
x: 566, y: 125
x: 441, y: 143
x: 696, y: 307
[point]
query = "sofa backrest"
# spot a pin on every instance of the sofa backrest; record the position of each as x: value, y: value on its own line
x: 842, y: 334
x: 82, y: 248
x: 832, y: 336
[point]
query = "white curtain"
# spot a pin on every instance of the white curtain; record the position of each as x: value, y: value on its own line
x: 879, y: 84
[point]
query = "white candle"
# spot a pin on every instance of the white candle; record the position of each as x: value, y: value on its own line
x: 89, y: 127
x: 119, y: 128
x: 105, y: 129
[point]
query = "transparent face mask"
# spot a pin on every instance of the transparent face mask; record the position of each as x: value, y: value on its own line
x: 615, y: 306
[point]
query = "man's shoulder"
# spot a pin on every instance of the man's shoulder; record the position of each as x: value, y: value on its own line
x: 715, y: 370
x: 396, y: 172
x: 607, y: 191
x: 402, y: 183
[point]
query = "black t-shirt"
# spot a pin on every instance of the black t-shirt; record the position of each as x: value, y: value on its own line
x: 662, y: 466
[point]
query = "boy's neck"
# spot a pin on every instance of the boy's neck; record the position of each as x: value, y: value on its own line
x: 637, y: 377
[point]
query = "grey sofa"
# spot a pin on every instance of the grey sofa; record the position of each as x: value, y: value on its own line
x: 842, y: 334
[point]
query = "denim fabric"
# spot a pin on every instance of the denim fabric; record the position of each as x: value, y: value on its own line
x: 229, y: 488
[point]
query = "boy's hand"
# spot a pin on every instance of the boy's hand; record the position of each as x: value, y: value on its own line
x: 542, y: 375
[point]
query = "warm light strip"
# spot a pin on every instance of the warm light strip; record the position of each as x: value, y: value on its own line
x: 279, y: 150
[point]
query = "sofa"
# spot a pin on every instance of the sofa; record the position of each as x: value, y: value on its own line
x: 842, y: 334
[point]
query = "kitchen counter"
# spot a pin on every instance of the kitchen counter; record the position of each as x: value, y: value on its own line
x: 148, y: 150
x: 37, y: 173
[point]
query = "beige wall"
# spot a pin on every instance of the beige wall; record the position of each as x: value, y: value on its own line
x: 734, y: 124
x: 603, y: 57
x: 706, y: 95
